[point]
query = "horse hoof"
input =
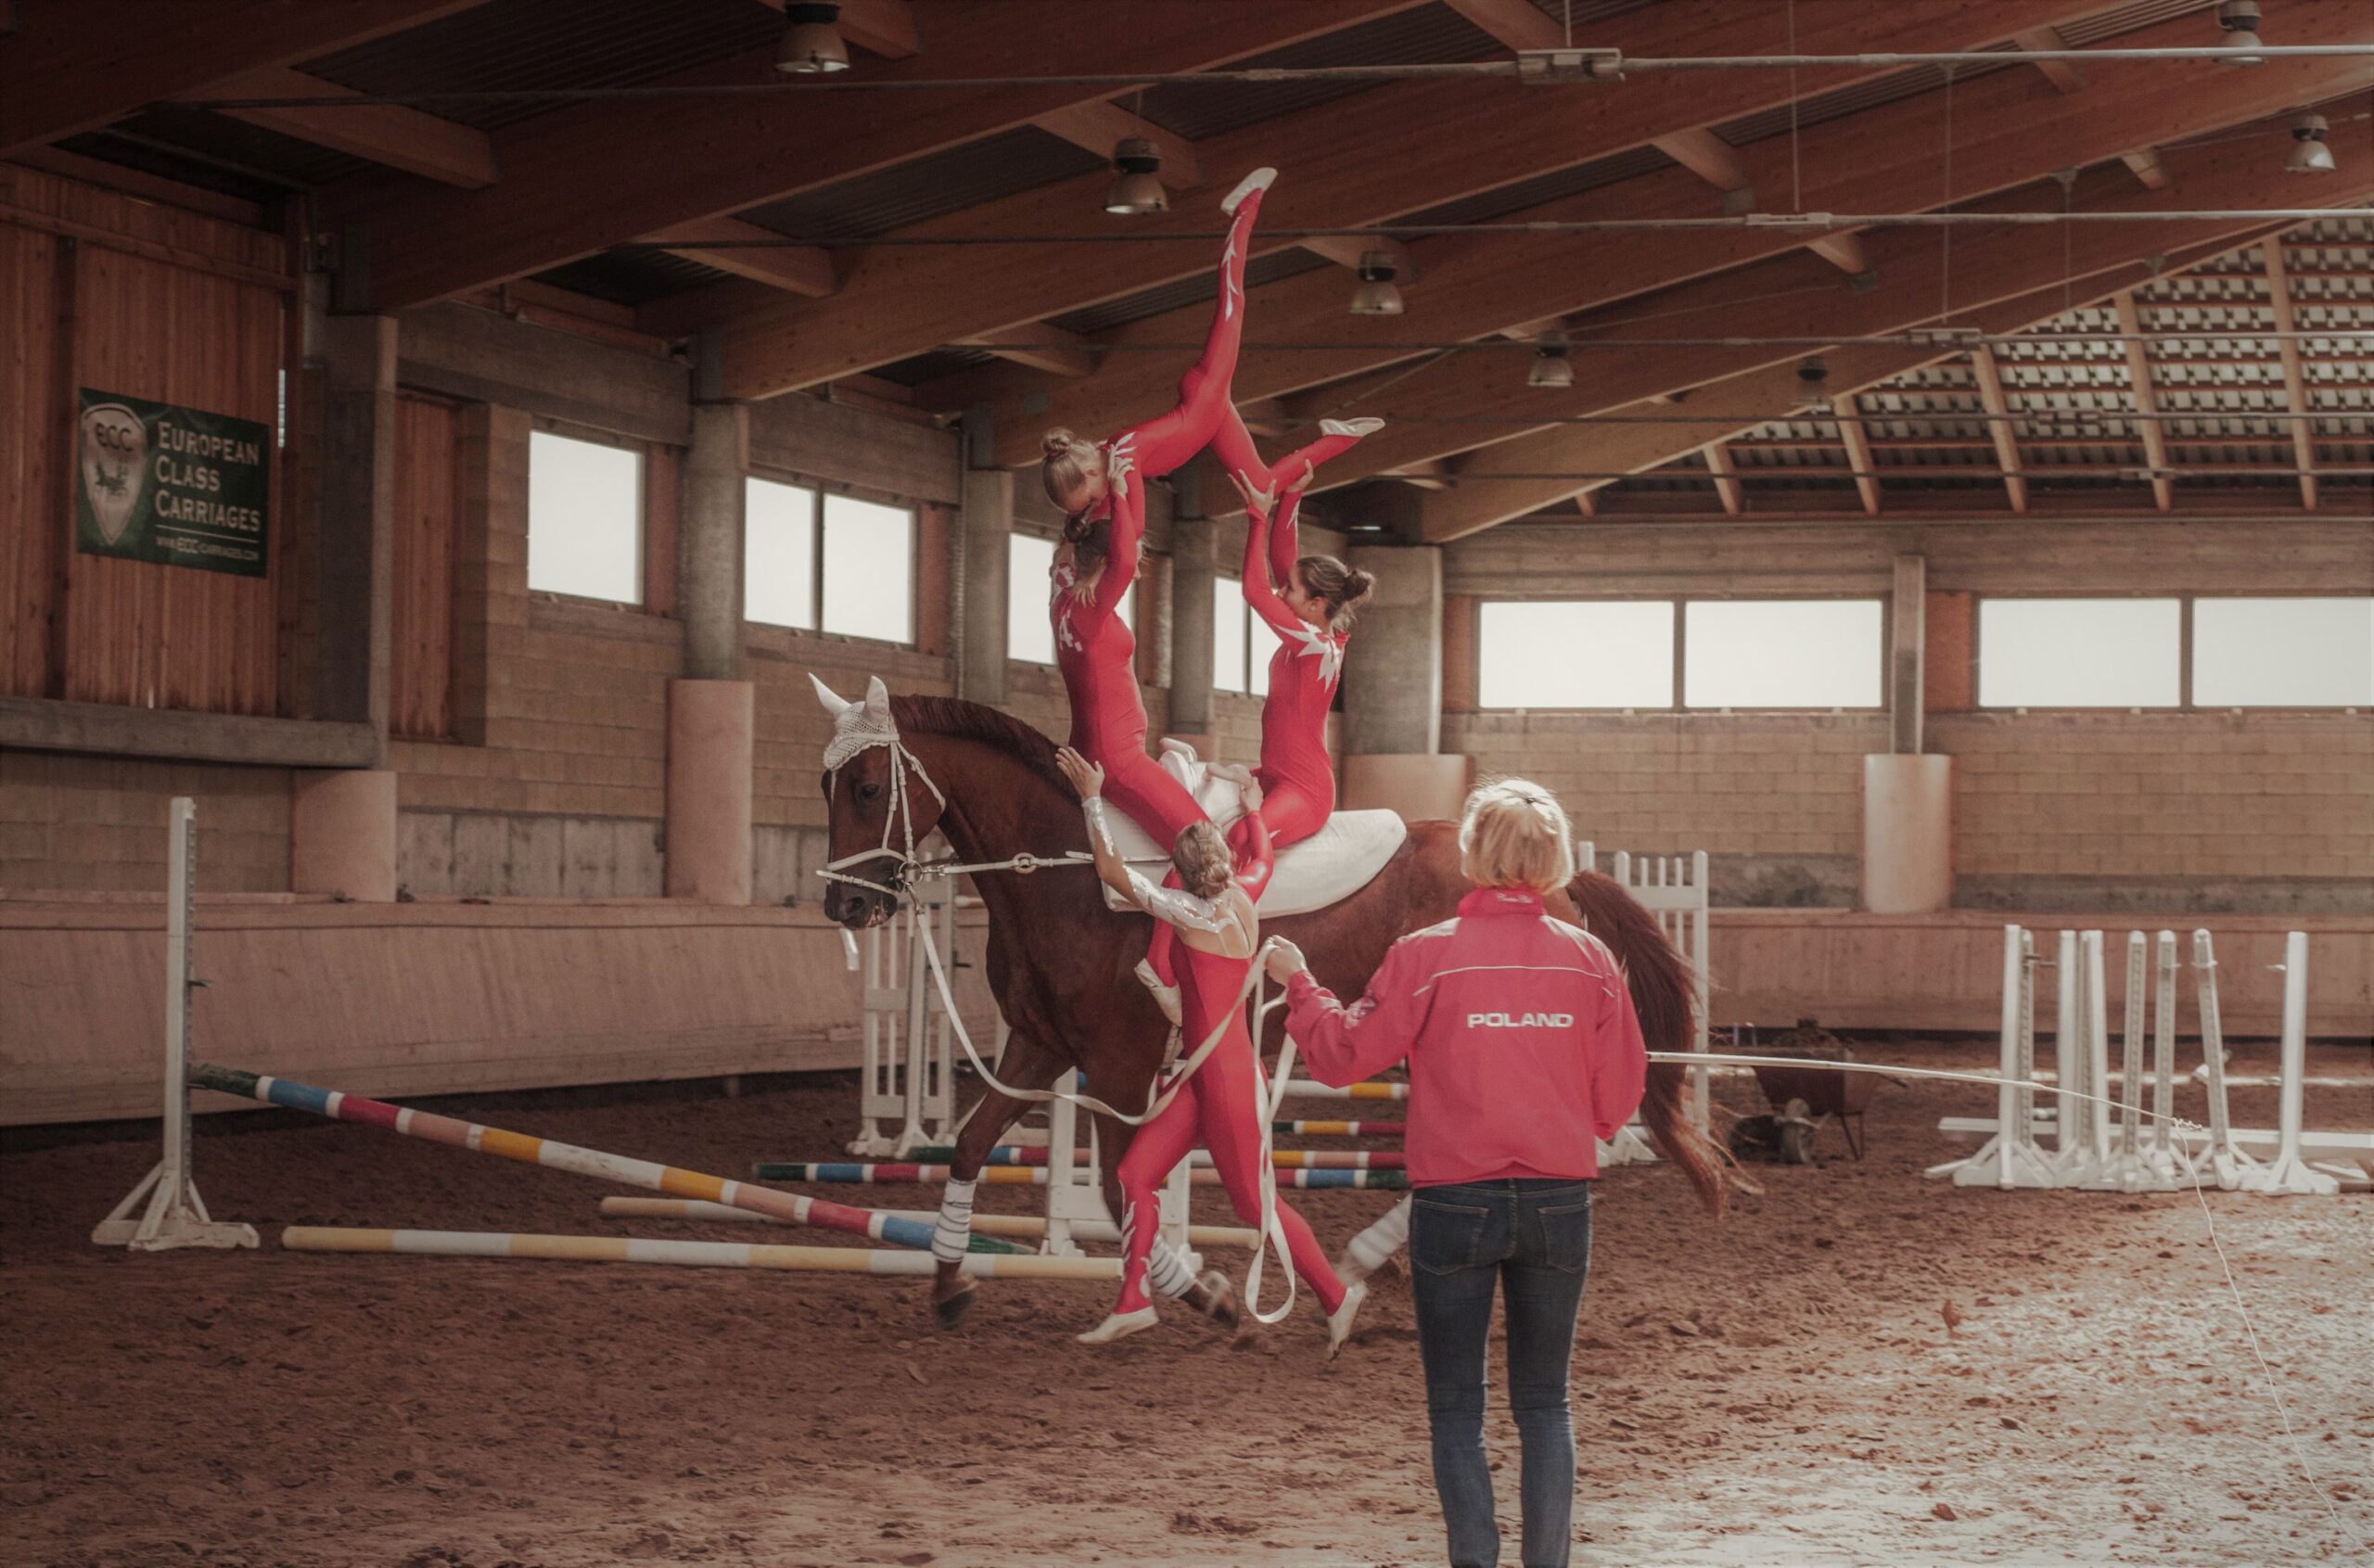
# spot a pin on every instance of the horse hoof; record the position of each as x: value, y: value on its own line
x: 948, y: 1311
x: 1219, y: 1301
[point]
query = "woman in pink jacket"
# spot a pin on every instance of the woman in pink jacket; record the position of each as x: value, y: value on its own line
x: 1524, y: 1049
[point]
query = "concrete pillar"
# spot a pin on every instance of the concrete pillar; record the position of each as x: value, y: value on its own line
x: 1907, y: 644
x: 711, y: 732
x: 358, y: 519
x: 343, y: 833
x: 1907, y: 833
x: 1393, y: 691
x: 708, y: 572
x: 988, y: 533
x: 1194, y: 565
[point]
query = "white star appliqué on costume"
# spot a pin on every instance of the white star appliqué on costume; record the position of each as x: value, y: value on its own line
x: 1326, y: 650
x: 1060, y: 579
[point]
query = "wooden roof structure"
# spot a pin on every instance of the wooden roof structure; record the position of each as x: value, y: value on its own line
x: 933, y: 240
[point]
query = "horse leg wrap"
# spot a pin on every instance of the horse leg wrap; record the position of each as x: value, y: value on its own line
x: 1167, y: 1271
x: 953, y: 1234
x: 1374, y: 1246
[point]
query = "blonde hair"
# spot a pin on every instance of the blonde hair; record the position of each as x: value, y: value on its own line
x: 1514, y: 833
x: 1064, y: 461
x: 1205, y: 867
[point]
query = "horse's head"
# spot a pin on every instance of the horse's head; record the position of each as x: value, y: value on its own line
x: 871, y: 802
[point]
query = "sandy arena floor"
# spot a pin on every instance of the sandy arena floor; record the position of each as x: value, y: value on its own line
x: 1784, y: 1389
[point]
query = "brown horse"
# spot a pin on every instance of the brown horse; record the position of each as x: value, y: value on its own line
x: 1060, y: 963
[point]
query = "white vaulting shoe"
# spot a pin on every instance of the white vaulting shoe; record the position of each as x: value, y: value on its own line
x: 1339, y: 1322
x: 1164, y: 997
x: 1256, y: 181
x: 1120, y: 1325
x: 1354, y: 428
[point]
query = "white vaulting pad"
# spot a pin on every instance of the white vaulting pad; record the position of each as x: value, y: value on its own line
x: 1332, y: 864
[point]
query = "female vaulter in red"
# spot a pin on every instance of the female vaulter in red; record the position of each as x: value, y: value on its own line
x: 1103, y: 488
x: 1310, y: 607
x: 1223, y: 1105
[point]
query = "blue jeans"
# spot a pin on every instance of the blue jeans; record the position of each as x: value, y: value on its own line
x: 1536, y: 1235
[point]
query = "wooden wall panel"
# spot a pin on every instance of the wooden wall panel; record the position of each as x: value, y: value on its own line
x: 428, y: 523
x: 152, y: 636
x: 32, y: 456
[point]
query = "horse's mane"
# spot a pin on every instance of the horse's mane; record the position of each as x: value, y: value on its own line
x: 959, y: 719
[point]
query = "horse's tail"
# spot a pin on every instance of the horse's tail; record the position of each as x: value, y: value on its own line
x: 1664, y: 997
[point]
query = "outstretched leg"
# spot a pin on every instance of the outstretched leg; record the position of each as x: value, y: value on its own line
x: 1159, y: 1145
x: 1206, y: 391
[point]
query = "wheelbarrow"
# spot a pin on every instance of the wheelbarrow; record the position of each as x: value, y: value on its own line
x: 1803, y: 1097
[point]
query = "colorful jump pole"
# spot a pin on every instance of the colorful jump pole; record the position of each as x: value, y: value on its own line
x: 1311, y: 1089
x: 1027, y: 1226
x: 566, y: 1156
x: 1341, y: 1129
x: 694, y: 1254
x: 1283, y: 1159
x: 893, y: 1174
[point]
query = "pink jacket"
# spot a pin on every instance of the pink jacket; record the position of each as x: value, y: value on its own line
x: 1521, y: 1041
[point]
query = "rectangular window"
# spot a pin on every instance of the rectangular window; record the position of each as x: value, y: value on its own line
x: 1030, y: 633
x: 2283, y: 653
x: 1575, y: 654
x: 1228, y: 635
x: 779, y: 554
x: 1781, y: 652
x: 811, y: 560
x: 584, y: 518
x: 2079, y: 653
x: 869, y: 570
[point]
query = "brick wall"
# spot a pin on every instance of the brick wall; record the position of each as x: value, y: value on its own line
x: 96, y: 824
x: 2252, y: 812
x: 1776, y: 802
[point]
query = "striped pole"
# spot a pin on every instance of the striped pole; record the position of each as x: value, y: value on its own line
x: 1283, y: 1159
x: 1028, y: 1226
x: 1341, y: 1129
x: 1311, y: 1089
x: 694, y: 1255
x: 566, y: 1156
x: 1036, y: 1176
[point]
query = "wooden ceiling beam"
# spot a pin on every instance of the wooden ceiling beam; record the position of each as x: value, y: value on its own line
x: 1358, y: 161
x: 1714, y: 161
x: 1733, y: 406
x: 2147, y: 399
x: 2213, y: 177
x: 2144, y: 164
x: 1727, y: 477
x: 1097, y: 124
x: 1857, y: 443
x: 1989, y: 376
x: 2295, y: 383
x: 1027, y: 345
x: 805, y: 270
x: 1483, y: 285
x: 75, y: 67
x: 661, y: 162
x: 1843, y: 252
x: 2065, y: 75
x: 389, y: 135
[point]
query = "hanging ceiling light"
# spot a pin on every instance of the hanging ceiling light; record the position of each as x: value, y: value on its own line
x: 1375, y: 294
x: 2309, y: 153
x: 1550, y: 367
x: 2239, y: 19
x: 1134, y: 189
x: 1813, y: 382
x: 811, y: 41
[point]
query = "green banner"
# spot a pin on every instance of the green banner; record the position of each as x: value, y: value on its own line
x: 176, y: 486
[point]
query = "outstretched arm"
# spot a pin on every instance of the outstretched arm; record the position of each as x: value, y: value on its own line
x: 1285, y: 542
x: 1260, y: 592
x: 1342, y: 1045
x: 1128, y: 530
x: 1175, y: 905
